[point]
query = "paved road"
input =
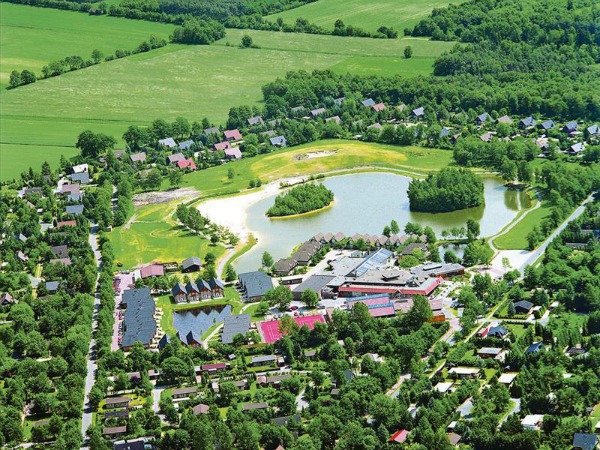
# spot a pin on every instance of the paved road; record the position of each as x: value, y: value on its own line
x: 86, y: 419
x: 223, y: 261
x: 535, y: 255
x: 515, y: 409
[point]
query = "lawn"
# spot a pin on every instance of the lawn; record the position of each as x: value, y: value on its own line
x: 366, y: 14
x: 349, y: 156
x: 153, y: 236
x: 516, y: 237
x: 203, y: 81
x: 33, y: 37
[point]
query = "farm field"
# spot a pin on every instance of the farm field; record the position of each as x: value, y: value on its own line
x: 346, y: 156
x: 366, y: 14
x: 32, y: 37
x: 203, y: 81
x: 151, y: 236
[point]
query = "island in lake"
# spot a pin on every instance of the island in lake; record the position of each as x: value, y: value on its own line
x: 301, y: 199
x: 447, y: 190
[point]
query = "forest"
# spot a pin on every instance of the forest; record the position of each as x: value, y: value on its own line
x: 447, y: 190
x: 301, y: 199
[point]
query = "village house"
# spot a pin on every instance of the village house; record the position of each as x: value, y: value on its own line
x: 185, y: 392
x: 167, y: 142
x: 585, y: 441
x: 464, y: 372
x: 234, y: 325
x: 489, y: 352
x: 214, y: 367
x: 186, y: 145
x: 186, y: 164
x: 278, y: 141
x: 116, y: 402
x: 532, y: 421
x: 369, y: 102
x: 233, y: 135
x: 263, y: 360
x: 113, y: 432
x: 200, y: 409
x: 233, y: 153
x: 505, y: 120
x: 138, y: 157
x: 528, y: 122
x: 211, y: 131
x: 191, y: 264
x: 256, y: 120
x: 152, y: 271
x: 254, y: 406
x: 523, y: 307
x: 507, y: 379
x: 254, y: 285
x: 378, y: 107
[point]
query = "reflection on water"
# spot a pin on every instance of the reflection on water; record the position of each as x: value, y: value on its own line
x: 200, y: 319
x: 365, y: 203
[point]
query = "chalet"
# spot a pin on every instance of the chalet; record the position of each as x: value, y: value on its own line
x: 60, y: 251
x: 497, y: 331
x: 191, y: 264
x: 523, y: 307
x: 335, y: 119
x: 233, y: 153
x: 585, y: 441
x: 200, y: 409
x: 256, y: 120
x: 284, y: 420
x: 152, y: 271
x: 164, y: 341
x: 298, y: 110
x: 211, y: 131
x: 571, y: 127
x: 576, y: 148
x: 186, y: 164
x: 378, y: 107
x: 284, y: 266
x: 233, y: 135
x: 113, y: 432
x: 489, y: 352
x: 399, y: 437
x: 464, y: 372
x: 122, y: 414
x: 505, y: 120
x: 507, y: 379
x: 175, y: 158
x: 593, y: 131
x: 234, y: 325
x: 547, y: 125
x: 192, y: 292
x: 116, y: 402
x: 205, y: 292
x: 528, y: 122
x: 575, y: 351
x: 278, y: 141
x: 80, y: 168
x: 185, y: 145
x: 6, y: 299
x: 369, y: 103
x: 487, y: 137
x: 52, y: 287
x: 217, y: 288
x: 254, y: 285
x: 454, y: 138
x: 214, y: 367
x: 263, y: 360
x: 418, y: 113
x: 532, y: 421
x: 138, y: 157
x: 482, y: 118
x: 338, y: 101
x: 184, y: 392
x: 179, y: 293
x: 254, y: 406
x: 317, y: 112
x: 534, y: 348
x: 222, y: 145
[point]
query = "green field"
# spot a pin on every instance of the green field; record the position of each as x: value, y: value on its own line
x: 191, y: 81
x: 32, y: 37
x: 153, y: 236
x: 366, y: 14
x: 516, y: 238
x: 345, y: 156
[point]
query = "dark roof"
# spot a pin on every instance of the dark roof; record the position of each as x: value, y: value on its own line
x: 483, y: 117
x: 548, y: 124
x: 283, y: 421
x: 278, y: 140
x: 212, y: 130
x: 60, y: 251
x: 232, y: 325
x: 368, y: 102
x: 315, y: 283
x: 137, y: 444
x: 191, y: 261
x: 139, y: 323
x: 164, y: 341
x: 499, y: 330
x: 82, y: 177
x: 76, y: 210
x: 528, y: 121
x: 215, y: 283
x: 178, y: 289
x: 263, y: 358
x: 250, y: 406
x: 534, y: 348
x: 524, y: 304
x: 185, y: 144
x: 256, y: 284
x: 585, y: 441
x: 570, y: 127
x: 52, y: 286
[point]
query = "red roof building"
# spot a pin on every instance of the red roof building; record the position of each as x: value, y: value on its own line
x: 222, y: 145
x: 233, y: 135
x: 153, y: 270
x: 214, y: 366
x: 187, y: 164
x: 66, y: 223
x: 399, y: 436
x: 379, y: 107
x: 233, y: 153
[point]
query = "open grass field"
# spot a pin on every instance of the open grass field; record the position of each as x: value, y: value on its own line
x: 177, y: 80
x: 152, y: 236
x: 366, y: 14
x: 348, y: 156
x: 32, y: 37
x: 516, y: 238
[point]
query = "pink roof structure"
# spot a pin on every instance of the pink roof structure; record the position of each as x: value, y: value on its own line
x: 379, y: 107
x: 233, y: 153
x: 222, y: 145
x: 269, y: 330
x: 152, y: 270
x: 399, y: 436
x: 233, y: 135
x: 187, y: 164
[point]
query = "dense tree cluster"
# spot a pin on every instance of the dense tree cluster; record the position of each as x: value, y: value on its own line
x: 301, y: 199
x: 447, y: 190
x: 198, y: 32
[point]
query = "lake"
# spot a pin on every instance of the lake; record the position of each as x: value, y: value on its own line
x: 365, y: 203
x: 200, y: 319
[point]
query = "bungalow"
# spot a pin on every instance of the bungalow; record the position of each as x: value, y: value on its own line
x: 6, y: 299
x: 179, y: 293
x: 489, y: 352
x: 233, y: 135
x: 443, y: 387
x: 534, y: 348
x: 60, y: 251
x: 263, y: 360
x: 70, y: 189
x: 256, y: 120
x: 138, y: 157
x: 254, y: 406
x: 571, y: 127
x: 191, y: 264
x: 233, y: 153
x: 399, y: 437
x: 493, y: 330
x: 152, y: 271
x: 335, y: 119
x: 577, y: 148
x: 200, y: 409
x: 532, y: 421
x: 185, y: 145
x: 66, y: 223
x: 222, y: 145
x: 505, y: 119
x: 184, y: 392
x: 585, y: 441
x: 528, y: 122
x: 507, y: 379
x: 254, y: 285
x: 75, y: 210
x: 317, y: 112
x: 378, y: 107
x: 211, y: 130
x: 116, y: 402
x: 275, y: 381
x: 593, y: 131
x: 482, y: 118
x: 418, y: 113
x: 173, y: 159
x: 547, y: 125
x: 214, y: 367
x: 575, y: 351
x: 487, y: 137
x: 187, y: 164
x: 217, y: 288
x: 368, y: 102
x: 113, y: 432
x: 523, y: 307
x: 464, y: 372
x: 278, y: 141
x: 167, y: 142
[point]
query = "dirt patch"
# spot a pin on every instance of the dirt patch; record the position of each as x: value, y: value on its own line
x: 152, y: 198
x: 314, y: 155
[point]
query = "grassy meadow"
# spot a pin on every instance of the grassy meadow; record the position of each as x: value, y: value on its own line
x: 366, y: 14
x: 177, y: 80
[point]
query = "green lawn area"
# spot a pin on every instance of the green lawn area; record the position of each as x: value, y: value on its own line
x: 203, y: 81
x: 32, y: 37
x: 516, y: 330
x: 349, y: 155
x: 153, y: 236
x: 366, y: 14
x: 516, y: 238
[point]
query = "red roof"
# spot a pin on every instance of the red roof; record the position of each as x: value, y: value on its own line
x: 233, y: 153
x: 153, y: 270
x: 379, y: 107
x: 399, y: 436
x: 66, y: 223
x: 233, y: 135
x: 368, y: 289
x: 425, y: 289
x: 222, y: 145
x: 214, y: 366
x: 71, y: 189
x: 187, y: 164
